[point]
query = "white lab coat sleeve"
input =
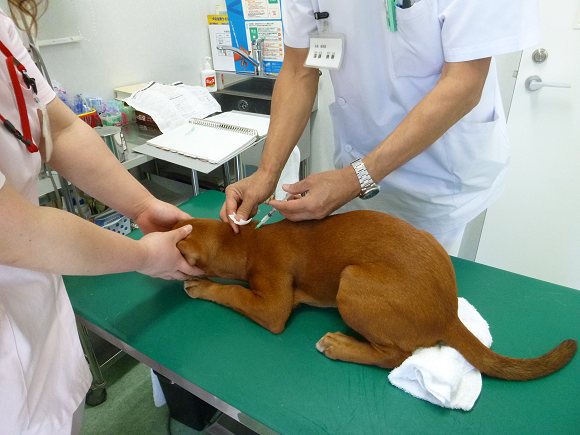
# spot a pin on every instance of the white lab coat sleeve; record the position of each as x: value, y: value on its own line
x: 478, y: 29
x: 299, y: 22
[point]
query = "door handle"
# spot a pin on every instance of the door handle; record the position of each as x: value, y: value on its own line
x: 535, y: 83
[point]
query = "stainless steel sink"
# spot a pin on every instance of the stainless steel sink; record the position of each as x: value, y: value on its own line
x: 258, y: 87
x: 253, y: 94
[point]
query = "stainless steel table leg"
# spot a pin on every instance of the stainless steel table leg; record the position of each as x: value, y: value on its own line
x: 304, y: 170
x: 194, y: 182
x: 239, y: 168
x: 97, y: 394
x: 227, y: 175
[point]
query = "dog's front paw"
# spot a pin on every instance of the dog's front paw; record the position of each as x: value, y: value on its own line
x: 331, y: 344
x: 194, y: 286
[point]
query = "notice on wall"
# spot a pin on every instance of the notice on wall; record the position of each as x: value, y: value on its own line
x: 253, y: 19
x: 219, y: 36
x: 261, y: 9
x: 271, y: 32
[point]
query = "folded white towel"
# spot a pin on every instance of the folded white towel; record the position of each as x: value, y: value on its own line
x: 290, y: 173
x: 439, y: 374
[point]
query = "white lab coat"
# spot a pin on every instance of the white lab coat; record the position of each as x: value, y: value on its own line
x: 385, y: 74
x: 43, y: 373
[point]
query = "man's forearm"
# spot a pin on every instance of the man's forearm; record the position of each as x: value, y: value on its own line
x: 456, y: 94
x: 292, y: 101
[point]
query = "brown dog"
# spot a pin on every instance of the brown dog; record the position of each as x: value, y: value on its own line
x: 393, y: 284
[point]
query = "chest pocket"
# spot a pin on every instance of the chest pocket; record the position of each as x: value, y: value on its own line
x: 416, y: 46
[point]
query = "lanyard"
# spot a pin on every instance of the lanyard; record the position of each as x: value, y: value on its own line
x: 391, y: 6
x: 14, y: 67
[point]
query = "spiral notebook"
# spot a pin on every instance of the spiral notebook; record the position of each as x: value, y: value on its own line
x: 213, y: 139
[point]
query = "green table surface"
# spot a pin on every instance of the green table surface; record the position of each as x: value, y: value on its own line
x: 283, y: 382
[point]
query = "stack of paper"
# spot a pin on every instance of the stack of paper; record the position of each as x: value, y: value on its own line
x: 173, y: 105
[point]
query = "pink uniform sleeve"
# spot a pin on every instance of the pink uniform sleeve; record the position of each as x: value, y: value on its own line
x: 15, y: 45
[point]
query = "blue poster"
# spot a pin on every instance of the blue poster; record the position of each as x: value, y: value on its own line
x: 253, y: 19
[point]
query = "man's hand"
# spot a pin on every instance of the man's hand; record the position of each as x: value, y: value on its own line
x: 323, y: 193
x: 243, y: 197
x: 159, y: 216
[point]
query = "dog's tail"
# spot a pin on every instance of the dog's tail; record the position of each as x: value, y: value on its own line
x: 499, y: 366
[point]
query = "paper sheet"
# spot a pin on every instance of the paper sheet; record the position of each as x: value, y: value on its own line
x: 172, y: 106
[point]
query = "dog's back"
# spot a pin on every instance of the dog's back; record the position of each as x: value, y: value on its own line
x: 316, y: 253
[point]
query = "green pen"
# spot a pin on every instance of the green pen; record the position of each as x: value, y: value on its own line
x: 391, y: 6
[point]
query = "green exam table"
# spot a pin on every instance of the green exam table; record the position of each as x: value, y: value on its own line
x: 281, y: 383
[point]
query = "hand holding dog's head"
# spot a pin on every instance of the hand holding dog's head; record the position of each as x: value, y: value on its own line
x: 210, y: 239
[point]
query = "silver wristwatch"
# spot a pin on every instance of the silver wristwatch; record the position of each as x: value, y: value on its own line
x: 368, y: 188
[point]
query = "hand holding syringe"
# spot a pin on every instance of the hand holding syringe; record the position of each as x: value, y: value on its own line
x: 271, y: 212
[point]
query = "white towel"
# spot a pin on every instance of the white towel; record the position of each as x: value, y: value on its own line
x: 289, y: 175
x: 439, y: 374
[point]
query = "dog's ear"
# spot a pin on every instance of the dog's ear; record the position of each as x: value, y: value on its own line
x: 188, y: 249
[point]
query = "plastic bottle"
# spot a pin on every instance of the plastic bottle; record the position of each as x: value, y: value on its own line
x: 208, y: 79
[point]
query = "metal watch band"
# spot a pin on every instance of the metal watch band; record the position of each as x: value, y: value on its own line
x: 364, y: 177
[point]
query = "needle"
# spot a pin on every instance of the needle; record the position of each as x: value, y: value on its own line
x: 270, y: 213
x: 266, y: 218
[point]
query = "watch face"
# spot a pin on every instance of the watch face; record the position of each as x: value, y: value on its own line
x: 370, y: 193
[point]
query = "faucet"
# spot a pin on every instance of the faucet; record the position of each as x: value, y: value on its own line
x: 257, y: 61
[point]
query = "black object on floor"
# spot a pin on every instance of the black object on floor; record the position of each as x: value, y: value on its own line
x: 185, y: 407
x: 96, y: 396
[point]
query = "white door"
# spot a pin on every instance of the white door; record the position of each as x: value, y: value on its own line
x: 534, y: 228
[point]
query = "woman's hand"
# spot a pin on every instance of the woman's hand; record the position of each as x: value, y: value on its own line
x: 159, y: 216
x: 163, y: 259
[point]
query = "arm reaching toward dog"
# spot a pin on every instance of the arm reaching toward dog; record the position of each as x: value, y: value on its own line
x: 457, y: 92
x: 52, y: 240
x: 292, y: 101
x: 81, y: 157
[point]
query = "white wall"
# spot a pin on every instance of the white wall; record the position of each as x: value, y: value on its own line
x: 124, y: 42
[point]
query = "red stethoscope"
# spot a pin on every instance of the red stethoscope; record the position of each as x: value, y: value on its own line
x: 15, y: 67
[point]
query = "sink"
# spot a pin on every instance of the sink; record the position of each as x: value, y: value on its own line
x: 253, y: 94
x: 257, y: 87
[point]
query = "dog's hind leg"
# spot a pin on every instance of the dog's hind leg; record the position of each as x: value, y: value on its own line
x: 269, y: 303
x: 377, y: 303
x: 336, y: 345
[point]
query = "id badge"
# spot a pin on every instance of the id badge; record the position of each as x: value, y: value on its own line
x: 326, y: 50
